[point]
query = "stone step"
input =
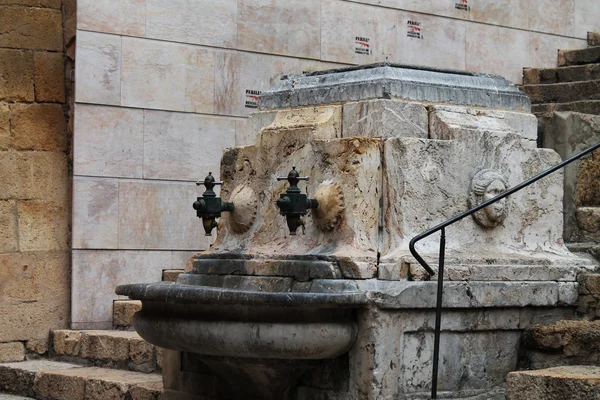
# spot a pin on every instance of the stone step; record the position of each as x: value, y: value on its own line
x: 590, y: 55
x: 13, y: 397
x: 536, y: 76
x: 569, y: 342
x: 588, y: 220
x: 42, y: 379
x: 584, y: 107
x: 558, y: 383
x: 111, y: 349
x: 563, y: 92
x: 171, y: 275
x: 123, y: 312
x: 593, y: 38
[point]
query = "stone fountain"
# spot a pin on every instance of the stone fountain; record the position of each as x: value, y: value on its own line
x: 310, y: 291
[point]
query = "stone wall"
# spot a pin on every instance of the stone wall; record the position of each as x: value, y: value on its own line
x: 163, y: 86
x: 34, y: 174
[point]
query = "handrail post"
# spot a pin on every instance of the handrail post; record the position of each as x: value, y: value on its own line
x: 438, y: 315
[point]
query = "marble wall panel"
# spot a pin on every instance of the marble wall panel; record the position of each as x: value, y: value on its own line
x: 126, y: 17
x: 446, y: 8
x: 183, y: 146
x: 543, y: 49
x: 291, y: 27
x: 104, y: 270
x: 552, y: 16
x: 238, y: 78
x: 109, y: 141
x: 207, y: 22
x: 346, y: 25
x: 159, y: 215
x: 438, y: 42
x: 497, y: 50
x: 167, y: 76
x: 98, y: 68
x: 587, y: 17
x: 95, y: 213
x: 507, y: 13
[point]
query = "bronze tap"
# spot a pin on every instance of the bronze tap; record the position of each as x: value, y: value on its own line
x: 209, y: 207
x: 293, y: 205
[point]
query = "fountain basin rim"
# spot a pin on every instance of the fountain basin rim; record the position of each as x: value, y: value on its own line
x: 175, y: 293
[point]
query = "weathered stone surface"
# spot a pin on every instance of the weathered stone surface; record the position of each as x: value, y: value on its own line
x: 324, y: 122
x: 43, y: 226
x: 49, y: 77
x: 9, y: 240
x: 17, y: 378
x: 559, y: 383
x: 4, y: 126
x: 106, y: 345
x: 12, y: 352
x: 125, y: 18
x: 593, y: 39
x: 66, y: 342
x: 37, y: 346
x: 589, y: 284
x: 30, y: 28
x: 33, y: 3
x: 141, y: 355
x: 563, y: 92
x: 146, y: 391
x: 561, y: 75
x: 385, y: 119
x: 16, y: 69
x: 171, y: 275
x: 123, y: 311
x: 588, y: 219
x: 578, y: 57
x: 38, y: 127
x: 588, y: 176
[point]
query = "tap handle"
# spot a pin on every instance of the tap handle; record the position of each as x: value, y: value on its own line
x: 209, y: 182
x: 293, y: 177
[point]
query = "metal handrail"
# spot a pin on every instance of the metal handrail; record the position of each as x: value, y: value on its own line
x: 441, y: 227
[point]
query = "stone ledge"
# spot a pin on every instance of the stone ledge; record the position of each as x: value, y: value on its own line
x: 559, y: 383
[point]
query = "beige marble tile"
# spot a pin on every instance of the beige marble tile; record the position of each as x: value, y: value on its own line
x: 126, y: 17
x: 435, y: 42
x: 104, y: 270
x: 159, y: 215
x: 551, y: 16
x: 507, y: 13
x: 497, y: 50
x: 167, y: 76
x: 237, y: 72
x: 291, y: 27
x: 207, y: 22
x: 587, y: 17
x: 183, y: 146
x: 181, y: 259
x: 109, y: 141
x: 98, y: 68
x: 543, y: 49
x: 345, y: 25
x: 95, y: 213
x: 447, y: 8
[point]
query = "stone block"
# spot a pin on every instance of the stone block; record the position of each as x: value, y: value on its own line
x: 164, y: 222
x: 322, y: 122
x: 33, y: 3
x: 588, y: 220
x: 49, y: 77
x: 587, y: 307
x: 159, y: 357
x: 9, y: 240
x: 593, y: 38
x: 178, y: 21
x: 588, y: 175
x: 95, y: 213
x: 290, y: 28
x: 589, y: 284
x: 38, y: 127
x: 124, y: 310
x: 184, y: 146
x: 185, y: 80
x: 34, y: 175
x: 12, y: 352
x: 66, y: 342
x: 4, y: 127
x: 141, y: 355
x: 558, y: 383
x: 344, y: 25
x: 171, y: 275
x: 37, y: 346
x: 441, y: 41
x: 58, y: 386
x: 16, y: 69
x: 104, y: 345
x: 43, y: 226
x: 146, y: 391
x: 98, y: 68
x: 385, y: 119
x: 31, y: 28
x: 122, y: 18
x: 110, y: 141
x: 497, y: 50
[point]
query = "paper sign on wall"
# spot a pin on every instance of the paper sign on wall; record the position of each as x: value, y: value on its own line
x: 362, y: 45
x: 462, y: 5
x: 252, y: 98
x: 414, y: 30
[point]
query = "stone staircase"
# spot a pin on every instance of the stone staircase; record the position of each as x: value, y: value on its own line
x: 562, y: 359
x: 91, y: 364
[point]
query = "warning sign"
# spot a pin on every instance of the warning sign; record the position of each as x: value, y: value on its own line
x: 414, y: 30
x: 362, y: 45
x: 252, y: 98
x: 462, y: 5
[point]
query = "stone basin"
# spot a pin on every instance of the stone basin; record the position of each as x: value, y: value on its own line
x: 247, y: 338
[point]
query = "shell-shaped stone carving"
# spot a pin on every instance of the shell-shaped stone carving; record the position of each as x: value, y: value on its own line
x: 244, y: 213
x: 330, y: 212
